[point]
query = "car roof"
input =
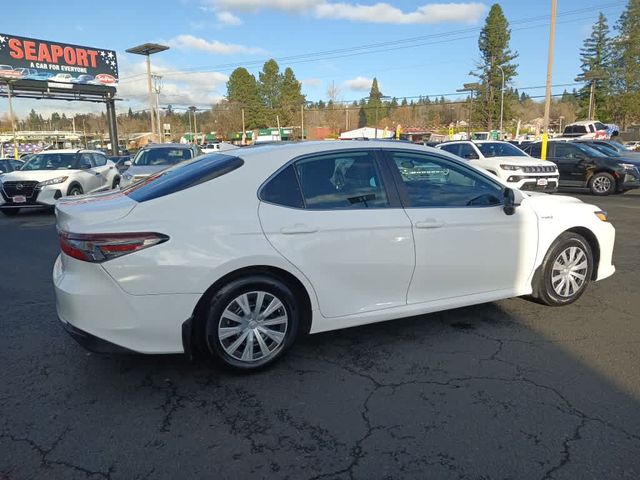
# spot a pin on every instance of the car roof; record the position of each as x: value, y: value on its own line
x: 583, y: 122
x: 70, y: 150
x: 166, y: 145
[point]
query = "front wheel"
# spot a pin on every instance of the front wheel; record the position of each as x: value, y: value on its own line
x: 565, y: 272
x: 602, y: 184
x: 251, y: 322
x: 74, y: 190
x: 116, y: 183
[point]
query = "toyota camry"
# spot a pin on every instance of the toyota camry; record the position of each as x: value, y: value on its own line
x: 235, y: 255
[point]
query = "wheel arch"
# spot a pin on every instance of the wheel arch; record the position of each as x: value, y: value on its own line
x: 74, y: 183
x: 300, y: 291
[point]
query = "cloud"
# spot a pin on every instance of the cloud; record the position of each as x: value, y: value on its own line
x: 311, y: 82
x: 228, y: 18
x: 189, y: 42
x: 359, y: 83
x: 300, y: 6
x: 381, y: 12
x: 386, y: 13
x: 178, y: 88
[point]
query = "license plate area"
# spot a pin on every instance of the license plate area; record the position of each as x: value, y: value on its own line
x: 19, y: 199
x: 542, y: 182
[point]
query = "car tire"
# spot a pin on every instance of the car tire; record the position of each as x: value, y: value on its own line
x: 74, y: 190
x: 116, y: 183
x: 565, y: 272
x: 11, y: 212
x: 602, y: 184
x: 251, y: 322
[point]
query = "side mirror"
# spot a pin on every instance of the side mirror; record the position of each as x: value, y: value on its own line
x: 511, y: 200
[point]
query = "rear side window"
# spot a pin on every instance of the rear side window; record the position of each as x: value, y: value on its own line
x: 283, y: 189
x: 100, y: 160
x: 183, y: 176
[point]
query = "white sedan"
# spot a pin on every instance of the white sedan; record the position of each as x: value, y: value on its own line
x: 236, y: 255
x: 53, y: 174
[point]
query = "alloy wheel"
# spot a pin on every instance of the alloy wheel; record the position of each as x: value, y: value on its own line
x: 569, y: 272
x: 602, y: 184
x: 253, y: 326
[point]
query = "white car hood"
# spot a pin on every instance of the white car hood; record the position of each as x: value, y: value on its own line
x: 74, y: 214
x: 523, y: 161
x: 35, y: 175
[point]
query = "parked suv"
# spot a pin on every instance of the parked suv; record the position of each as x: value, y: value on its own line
x: 587, y: 129
x: 50, y: 175
x: 581, y: 166
x: 508, y: 163
x: 154, y: 158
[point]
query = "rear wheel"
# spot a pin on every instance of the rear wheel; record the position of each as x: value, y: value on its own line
x: 565, y: 271
x: 602, y: 183
x: 251, y: 322
x: 116, y: 183
x: 11, y: 212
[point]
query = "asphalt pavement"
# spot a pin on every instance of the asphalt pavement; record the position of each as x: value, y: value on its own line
x: 506, y: 390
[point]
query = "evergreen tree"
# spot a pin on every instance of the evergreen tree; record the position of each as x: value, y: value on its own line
x: 404, y: 102
x: 291, y: 97
x: 495, y: 54
x: 374, y: 110
x: 270, y: 84
x: 595, y: 58
x: 626, y: 66
x: 242, y: 92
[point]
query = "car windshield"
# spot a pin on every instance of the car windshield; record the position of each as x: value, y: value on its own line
x: 161, y: 156
x: 499, y: 149
x: 51, y: 161
x: 592, y: 152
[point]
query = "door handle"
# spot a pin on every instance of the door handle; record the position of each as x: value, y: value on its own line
x: 297, y: 229
x: 429, y: 223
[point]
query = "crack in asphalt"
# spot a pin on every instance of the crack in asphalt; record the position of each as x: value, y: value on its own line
x: 45, y: 452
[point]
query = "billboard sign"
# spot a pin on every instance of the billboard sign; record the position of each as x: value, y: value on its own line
x: 24, y: 58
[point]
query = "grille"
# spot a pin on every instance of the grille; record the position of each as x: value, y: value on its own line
x: 12, y: 189
x: 540, y: 169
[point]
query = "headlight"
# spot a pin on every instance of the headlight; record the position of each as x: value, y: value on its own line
x: 53, y: 181
x: 628, y: 166
x: 510, y: 167
x: 602, y: 215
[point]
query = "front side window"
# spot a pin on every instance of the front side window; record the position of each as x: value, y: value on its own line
x: 345, y: 180
x: 600, y: 126
x: 535, y: 150
x: 99, y: 160
x: 451, y: 148
x: 435, y: 182
x: 85, y: 161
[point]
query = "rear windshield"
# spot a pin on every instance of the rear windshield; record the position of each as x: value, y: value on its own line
x: 183, y: 176
x: 162, y: 156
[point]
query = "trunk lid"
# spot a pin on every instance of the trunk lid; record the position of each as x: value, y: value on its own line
x: 75, y: 214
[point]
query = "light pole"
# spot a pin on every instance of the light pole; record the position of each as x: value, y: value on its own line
x: 157, y: 87
x: 13, y: 124
x: 148, y: 49
x: 593, y: 76
x: 470, y: 88
x: 501, y: 101
x: 195, y: 124
x: 547, y: 97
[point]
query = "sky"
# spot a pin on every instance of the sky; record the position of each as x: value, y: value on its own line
x: 421, y: 48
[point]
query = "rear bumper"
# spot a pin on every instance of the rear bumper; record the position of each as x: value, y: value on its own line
x: 103, y: 317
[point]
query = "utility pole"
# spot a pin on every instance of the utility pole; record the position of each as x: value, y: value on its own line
x: 346, y: 114
x: 244, y: 134
x: 302, y: 121
x: 547, y: 98
x: 501, y: 102
x: 195, y: 124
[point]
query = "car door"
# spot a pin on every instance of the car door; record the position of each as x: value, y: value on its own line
x: 465, y: 243
x: 89, y: 178
x: 337, y: 218
x: 104, y: 170
x: 571, y: 161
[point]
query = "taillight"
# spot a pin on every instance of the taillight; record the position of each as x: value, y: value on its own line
x: 100, y: 247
